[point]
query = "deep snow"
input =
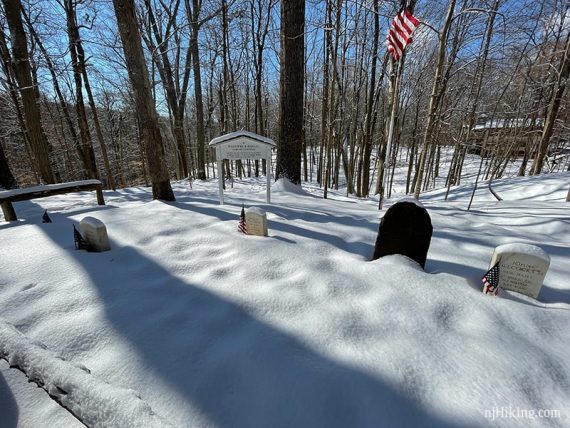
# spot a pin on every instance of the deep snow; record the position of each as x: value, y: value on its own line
x: 210, y: 327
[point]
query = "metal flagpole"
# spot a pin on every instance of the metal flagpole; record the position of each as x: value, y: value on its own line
x: 394, y: 71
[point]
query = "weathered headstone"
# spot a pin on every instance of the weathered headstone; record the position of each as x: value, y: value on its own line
x: 405, y: 229
x: 256, y: 220
x: 522, y: 267
x: 95, y: 233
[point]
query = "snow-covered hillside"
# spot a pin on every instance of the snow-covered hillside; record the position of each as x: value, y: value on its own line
x: 210, y: 327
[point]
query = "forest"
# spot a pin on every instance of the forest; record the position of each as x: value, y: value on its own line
x: 484, y: 77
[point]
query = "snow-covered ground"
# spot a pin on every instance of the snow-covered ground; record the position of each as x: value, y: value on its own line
x: 189, y: 323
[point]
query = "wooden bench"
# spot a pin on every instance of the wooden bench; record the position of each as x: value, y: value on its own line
x: 27, y: 193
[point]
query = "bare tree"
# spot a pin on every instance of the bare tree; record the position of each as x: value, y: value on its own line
x: 435, y: 96
x: 12, y: 89
x: 260, y: 19
x: 7, y: 180
x: 146, y: 112
x: 370, y: 118
x: 563, y: 73
x: 58, y: 91
x: 88, y: 154
x: 218, y: 75
x: 292, y: 81
x: 159, y: 38
x: 23, y: 75
x: 193, y: 12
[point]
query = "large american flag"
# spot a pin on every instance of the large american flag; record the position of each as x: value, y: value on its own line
x: 491, y: 280
x: 399, y: 35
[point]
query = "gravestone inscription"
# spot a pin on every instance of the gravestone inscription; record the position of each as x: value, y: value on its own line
x: 256, y: 220
x: 405, y: 229
x: 522, y: 268
x: 95, y: 233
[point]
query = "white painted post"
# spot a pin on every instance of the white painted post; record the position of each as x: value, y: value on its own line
x: 220, y: 181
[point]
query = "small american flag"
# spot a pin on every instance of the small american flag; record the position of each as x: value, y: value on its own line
x: 399, y: 35
x: 80, y: 242
x: 242, y: 226
x: 491, y: 281
x: 46, y: 218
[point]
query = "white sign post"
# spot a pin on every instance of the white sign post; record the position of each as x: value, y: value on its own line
x: 242, y: 145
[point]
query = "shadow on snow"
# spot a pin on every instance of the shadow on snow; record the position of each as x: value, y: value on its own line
x: 237, y: 369
x: 8, y: 407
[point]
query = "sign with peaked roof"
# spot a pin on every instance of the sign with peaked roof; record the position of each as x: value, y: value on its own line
x: 242, y: 145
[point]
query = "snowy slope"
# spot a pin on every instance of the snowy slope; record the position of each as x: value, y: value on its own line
x: 214, y: 328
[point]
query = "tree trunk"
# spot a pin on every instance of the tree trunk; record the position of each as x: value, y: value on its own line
x: 224, y: 103
x: 81, y: 57
x: 259, y: 29
x: 175, y: 96
x: 390, y: 124
x: 84, y: 133
x: 325, y: 126
x: 434, y: 99
x: 31, y: 108
x: 59, y: 94
x: 563, y: 73
x: 7, y: 180
x: 146, y: 112
x: 368, y: 127
x: 292, y: 78
x: 200, y: 133
x: 8, y: 73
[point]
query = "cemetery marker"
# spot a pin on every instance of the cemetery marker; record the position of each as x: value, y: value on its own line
x: 95, y: 233
x: 405, y: 229
x: 242, y: 145
x: 256, y: 220
x: 522, y: 268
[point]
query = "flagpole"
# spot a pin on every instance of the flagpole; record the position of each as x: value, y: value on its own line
x: 399, y: 35
x: 395, y: 82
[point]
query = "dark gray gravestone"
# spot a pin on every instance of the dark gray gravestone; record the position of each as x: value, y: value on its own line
x: 405, y: 229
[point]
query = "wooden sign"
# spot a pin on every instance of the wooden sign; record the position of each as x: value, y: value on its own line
x: 243, y: 149
x: 242, y: 145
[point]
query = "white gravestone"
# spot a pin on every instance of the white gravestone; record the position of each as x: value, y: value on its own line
x: 95, y: 233
x: 256, y: 221
x: 522, y: 268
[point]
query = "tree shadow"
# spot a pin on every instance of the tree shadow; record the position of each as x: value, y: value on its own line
x: 237, y: 369
x: 8, y: 407
x: 34, y: 212
x: 473, y: 275
x: 470, y: 273
x: 290, y: 215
